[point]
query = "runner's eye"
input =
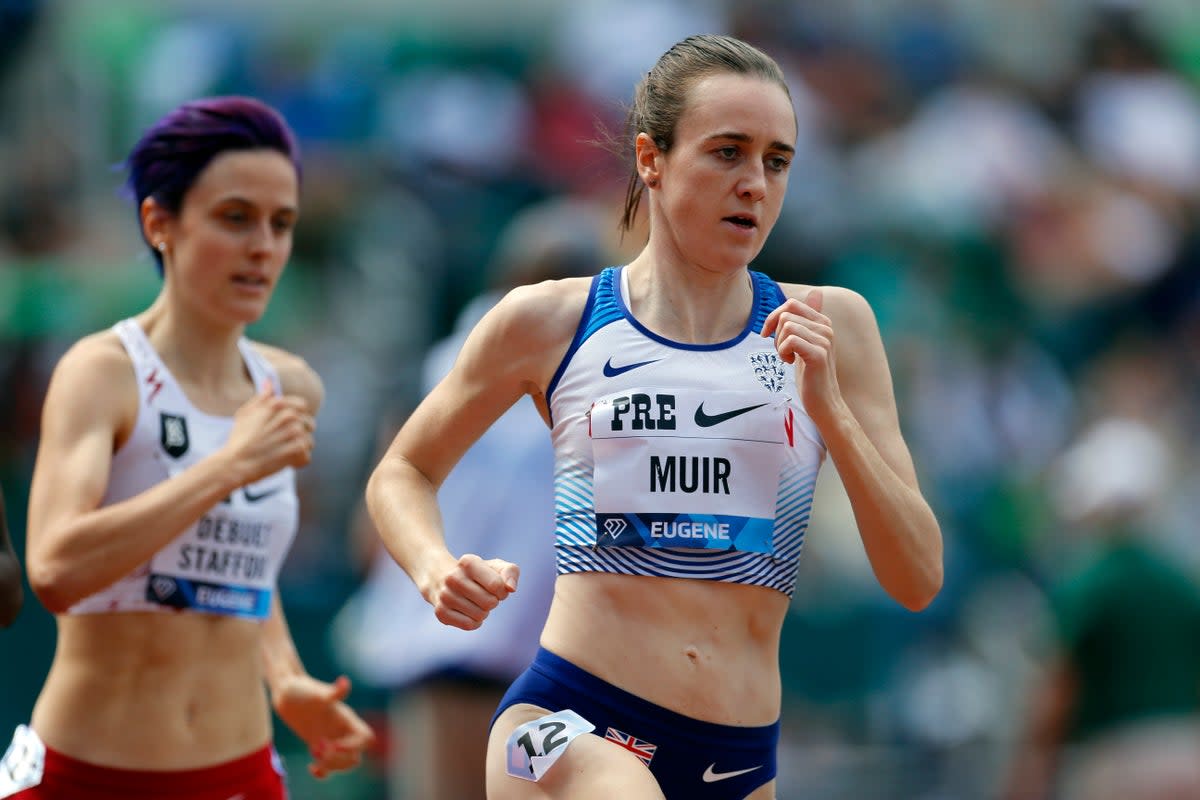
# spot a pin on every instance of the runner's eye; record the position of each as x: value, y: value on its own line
x: 778, y: 164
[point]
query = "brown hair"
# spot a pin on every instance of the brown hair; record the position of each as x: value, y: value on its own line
x: 660, y: 98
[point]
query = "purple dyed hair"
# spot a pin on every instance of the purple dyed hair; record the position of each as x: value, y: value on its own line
x: 173, y: 152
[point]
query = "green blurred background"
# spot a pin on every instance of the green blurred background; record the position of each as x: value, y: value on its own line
x: 1012, y: 185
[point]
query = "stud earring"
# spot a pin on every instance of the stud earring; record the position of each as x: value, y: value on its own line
x: 653, y: 182
x: 161, y: 247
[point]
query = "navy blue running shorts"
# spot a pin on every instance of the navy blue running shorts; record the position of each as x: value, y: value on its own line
x: 691, y: 759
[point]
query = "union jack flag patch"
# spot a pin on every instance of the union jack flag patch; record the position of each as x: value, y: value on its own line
x: 640, y: 748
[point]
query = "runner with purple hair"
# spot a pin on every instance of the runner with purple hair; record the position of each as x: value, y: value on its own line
x: 163, y: 500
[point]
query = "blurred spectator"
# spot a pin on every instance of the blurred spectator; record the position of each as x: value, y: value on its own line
x: 18, y: 19
x: 1117, y: 711
x: 446, y: 682
x: 599, y: 50
x: 1136, y: 118
x: 969, y: 152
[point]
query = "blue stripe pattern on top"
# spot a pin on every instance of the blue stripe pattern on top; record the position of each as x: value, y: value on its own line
x: 580, y: 379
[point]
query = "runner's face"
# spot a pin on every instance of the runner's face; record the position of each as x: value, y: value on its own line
x: 724, y: 179
x: 233, y: 236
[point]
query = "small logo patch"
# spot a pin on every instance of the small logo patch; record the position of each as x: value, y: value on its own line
x: 613, y: 526
x: 163, y: 587
x: 708, y: 420
x: 769, y: 369
x: 173, y: 434
x: 254, y: 497
x: 712, y: 776
x: 639, y: 747
x: 612, y: 371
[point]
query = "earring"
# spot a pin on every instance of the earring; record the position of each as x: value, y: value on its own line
x: 653, y: 182
x: 161, y: 246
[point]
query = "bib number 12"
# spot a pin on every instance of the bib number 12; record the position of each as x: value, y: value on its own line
x: 534, y: 746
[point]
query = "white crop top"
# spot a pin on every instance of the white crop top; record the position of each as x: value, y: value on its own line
x: 225, y: 563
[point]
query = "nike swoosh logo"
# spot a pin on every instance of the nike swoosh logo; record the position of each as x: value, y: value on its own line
x: 712, y: 776
x: 707, y: 421
x: 251, y: 497
x: 611, y: 372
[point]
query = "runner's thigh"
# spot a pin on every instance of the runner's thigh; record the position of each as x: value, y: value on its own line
x: 764, y: 792
x: 589, y: 769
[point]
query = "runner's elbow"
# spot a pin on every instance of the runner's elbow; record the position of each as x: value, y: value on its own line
x: 919, y: 594
x: 53, y: 585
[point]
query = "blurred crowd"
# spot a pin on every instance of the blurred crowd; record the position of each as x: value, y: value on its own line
x: 1014, y: 186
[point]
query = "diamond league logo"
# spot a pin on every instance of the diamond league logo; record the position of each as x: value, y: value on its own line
x: 163, y: 587
x: 613, y: 526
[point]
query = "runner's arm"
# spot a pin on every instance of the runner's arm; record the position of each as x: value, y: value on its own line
x: 855, y: 410
x: 75, y: 547
x: 514, y: 350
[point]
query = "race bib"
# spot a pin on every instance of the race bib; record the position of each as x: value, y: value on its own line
x: 535, y: 746
x: 23, y: 763
x: 228, y: 561
x: 688, y: 468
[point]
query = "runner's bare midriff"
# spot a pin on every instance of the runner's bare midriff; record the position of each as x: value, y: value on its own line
x: 154, y: 691
x: 681, y: 635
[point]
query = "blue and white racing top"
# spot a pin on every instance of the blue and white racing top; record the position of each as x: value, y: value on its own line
x: 680, y: 460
